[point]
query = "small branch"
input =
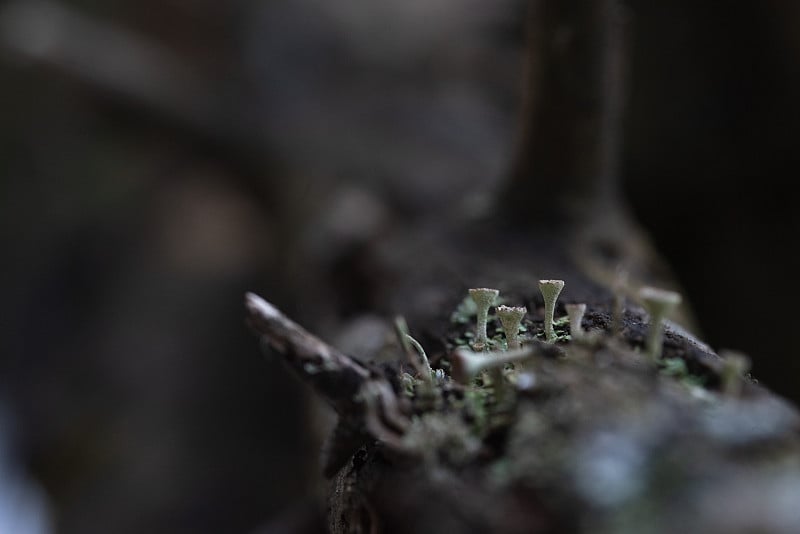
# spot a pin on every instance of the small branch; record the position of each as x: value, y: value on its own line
x: 335, y: 376
x: 349, y: 386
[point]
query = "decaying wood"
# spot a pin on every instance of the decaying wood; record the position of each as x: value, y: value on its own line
x: 594, y: 436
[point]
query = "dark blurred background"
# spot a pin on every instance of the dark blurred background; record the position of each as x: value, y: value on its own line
x: 157, y: 159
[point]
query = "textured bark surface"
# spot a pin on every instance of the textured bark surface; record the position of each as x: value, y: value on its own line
x: 588, y: 435
x: 593, y: 436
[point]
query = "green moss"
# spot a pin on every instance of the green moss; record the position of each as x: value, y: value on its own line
x: 674, y: 367
x: 677, y: 369
x: 561, y: 327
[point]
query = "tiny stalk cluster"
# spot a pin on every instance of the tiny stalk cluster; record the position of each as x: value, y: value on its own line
x: 467, y: 364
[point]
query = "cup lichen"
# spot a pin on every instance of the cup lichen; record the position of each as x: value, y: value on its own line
x: 658, y: 303
x: 550, y: 289
x: 575, y: 313
x: 484, y: 299
x: 511, y: 318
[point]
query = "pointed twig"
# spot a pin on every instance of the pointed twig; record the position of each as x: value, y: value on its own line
x: 335, y: 376
x: 345, y: 383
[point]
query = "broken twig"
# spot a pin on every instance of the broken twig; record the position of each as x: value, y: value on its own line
x: 348, y: 385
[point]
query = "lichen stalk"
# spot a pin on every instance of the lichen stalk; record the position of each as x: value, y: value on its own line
x: 550, y: 290
x: 484, y: 299
x: 511, y: 318
x: 658, y: 303
x: 734, y: 366
x: 575, y: 312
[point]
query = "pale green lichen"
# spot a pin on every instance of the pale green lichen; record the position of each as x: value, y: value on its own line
x: 484, y: 299
x: 511, y: 318
x: 420, y: 363
x: 464, y: 312
x: 575, y: 313
x: 658, y: 303
x: 550, y: 289
x: 735, y: 366
x: 466, y: 364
